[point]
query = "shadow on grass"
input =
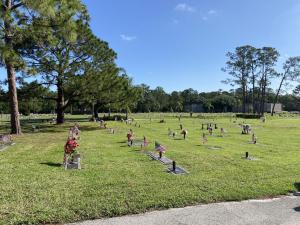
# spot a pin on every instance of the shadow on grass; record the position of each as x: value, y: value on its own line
x: 297, y: 186
x: 45, y: 127
x: 297, y: 209
x: 48, y: 120
x: 27, y: 128
x: 89, y: 128
x: 52, y: 164
x: 178, y: 139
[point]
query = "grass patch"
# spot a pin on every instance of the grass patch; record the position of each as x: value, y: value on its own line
x: 118, y: 180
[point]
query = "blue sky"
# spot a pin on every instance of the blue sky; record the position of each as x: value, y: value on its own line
x: 182, y: 44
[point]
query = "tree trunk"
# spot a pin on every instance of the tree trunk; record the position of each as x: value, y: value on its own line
x: 259, y: 97
x: 92, y: 110
x: 263, y: 90
x: 277, y: 94
x: 60, y: 111
x: 96, y: 106
x: 253, y: 89
x: 126, y: 113
x: 244, y: 97
x: 13, y: 98
x: 11, y: 75
x: 263, y: 97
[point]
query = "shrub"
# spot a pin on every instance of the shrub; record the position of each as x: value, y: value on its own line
x: 248, y: 116
x: 113, y: 118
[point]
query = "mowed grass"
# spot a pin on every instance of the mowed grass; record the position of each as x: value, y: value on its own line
x: 118, y: 180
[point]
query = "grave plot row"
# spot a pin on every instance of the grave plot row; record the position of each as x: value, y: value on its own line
x: 160, y: 149
x: 209, y: 125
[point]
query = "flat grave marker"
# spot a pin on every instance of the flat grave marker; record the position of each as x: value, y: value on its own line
x: 176, y: 170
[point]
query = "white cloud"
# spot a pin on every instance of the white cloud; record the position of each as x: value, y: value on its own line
x: 209, y: 14
x: 125, y: 37
x: 183, y: 7
x: 212, y: 12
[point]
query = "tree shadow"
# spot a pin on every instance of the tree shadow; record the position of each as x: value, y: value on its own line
x: 297, y: 209
x: 178, y: 139
x: 89, y: 128
x: 297, y: 186
x: 52, y: 164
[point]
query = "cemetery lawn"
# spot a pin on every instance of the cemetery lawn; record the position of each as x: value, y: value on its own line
x: 118, y: 180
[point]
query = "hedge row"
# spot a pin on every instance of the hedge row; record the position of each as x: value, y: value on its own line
x: 248, y: 116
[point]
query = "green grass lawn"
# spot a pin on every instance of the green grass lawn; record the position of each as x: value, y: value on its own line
x: 117, y: 180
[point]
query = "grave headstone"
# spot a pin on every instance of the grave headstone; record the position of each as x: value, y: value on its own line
x: 5, y: 141
x: 130, y: 137
x: 246, y: 129
x: 74, y: 132
x: 71, y: 156
x: 254, y: 139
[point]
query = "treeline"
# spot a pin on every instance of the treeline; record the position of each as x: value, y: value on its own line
x: 35, y: 98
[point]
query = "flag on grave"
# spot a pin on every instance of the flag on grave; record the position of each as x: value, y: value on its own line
x: 159, y: 147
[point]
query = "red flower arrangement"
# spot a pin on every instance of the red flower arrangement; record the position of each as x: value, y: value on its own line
x: 70, y: 146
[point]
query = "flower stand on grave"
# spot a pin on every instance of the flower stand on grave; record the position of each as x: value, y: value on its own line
x: 71, y: 157
x: 72, y: 162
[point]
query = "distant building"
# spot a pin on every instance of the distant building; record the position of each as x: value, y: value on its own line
x: 267, y: 108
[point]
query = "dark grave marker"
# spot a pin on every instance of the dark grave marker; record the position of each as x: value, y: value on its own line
x: 176, y: 169
x: 248, y: 157
x: 159, y: 157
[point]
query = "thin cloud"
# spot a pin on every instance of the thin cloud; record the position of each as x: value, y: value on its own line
x: 209, y: 14
x: 125, y: 37
x: 175, y: 21
x: 212, y: 12
x: 183, y: 7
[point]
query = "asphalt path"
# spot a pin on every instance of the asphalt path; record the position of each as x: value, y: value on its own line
x: 278, y: 211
